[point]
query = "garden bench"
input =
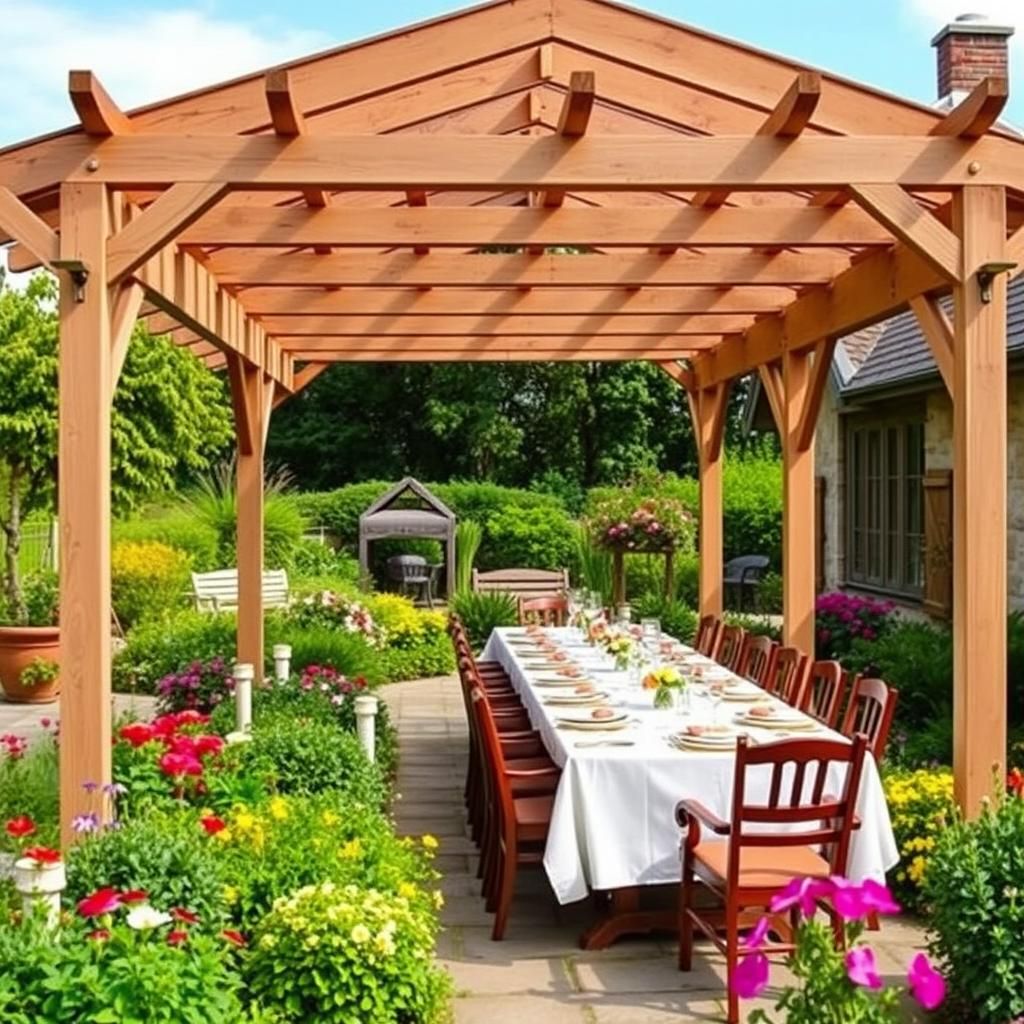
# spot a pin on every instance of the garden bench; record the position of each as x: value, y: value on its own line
x: 218, y: 591
x: 522, y: 583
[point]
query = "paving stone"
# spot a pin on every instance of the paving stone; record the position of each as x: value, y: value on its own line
x: 520, y: 1009
x: 510, y: 977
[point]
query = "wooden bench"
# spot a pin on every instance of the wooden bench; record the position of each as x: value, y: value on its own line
x: 218, y: 591
x: 522, y: 583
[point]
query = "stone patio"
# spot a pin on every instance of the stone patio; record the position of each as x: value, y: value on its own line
x: 539, y: 974
x: 28, y: 719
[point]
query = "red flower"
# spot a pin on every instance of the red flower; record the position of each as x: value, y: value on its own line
x: 181, y: 914
x: 177, y: 937
x: 181, y: 744
x: 164, y: 726
x: 43, y: 855
x: 190, y: 717
x: 134, y: 896
x: 1015, y: 782
x: 208, y: 745
x: 212, y: 824
x: 103, y: 901
x: 235, y: 938
x: 99, y: 935
x: 20, y: 827
x: 180, y: 764
x: 137, y: 733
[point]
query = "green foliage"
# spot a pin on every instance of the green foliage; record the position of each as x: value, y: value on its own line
x: 687, y: 573
x: 468, y: 537
x: 595, y: 567
x: 676, y: 618
x: 535, y: 538
x: 164, y: 852
x: 39, y: 672
x: 148, y: 580
x: 769, y: 594
x: 349, y: 653
x: 312, y: 560
x: 339, y: 954
x: 483, y: 612
x: 975, y: 888
x: 176, y: 528
x: 28, y: 785
x: 756, y: 625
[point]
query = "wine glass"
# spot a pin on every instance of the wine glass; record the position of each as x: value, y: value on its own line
x: 715, y: 692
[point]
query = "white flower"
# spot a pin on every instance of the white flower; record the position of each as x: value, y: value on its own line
x: 360, y: 934
x: 144, y: 917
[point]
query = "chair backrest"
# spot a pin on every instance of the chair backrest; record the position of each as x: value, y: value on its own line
x: 497, y: 788
x: 746, y: 567
x: 801, y: 803
x: 707, y: 635
x: 407, y: 567
x: 787, y: 676
x: 870, y: 711
x: 218, y: 590
x: 758, y: 653
x: 547, y: 611
x: 823, y: 694
x: 522, y: 582
x: 729, y: 648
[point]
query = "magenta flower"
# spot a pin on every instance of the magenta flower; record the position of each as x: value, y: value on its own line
x: 804, y: 892
x: 876, y: 897
x: 750, y: 978
x: 861, y: 968
x: 756, y: 936
x: 854, y: 902
x: 927, y: 986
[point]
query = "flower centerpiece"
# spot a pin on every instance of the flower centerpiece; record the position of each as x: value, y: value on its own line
x: 618, y: 644
x: 666, y: 681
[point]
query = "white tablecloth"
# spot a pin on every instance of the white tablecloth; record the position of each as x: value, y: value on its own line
x: 613, y: 823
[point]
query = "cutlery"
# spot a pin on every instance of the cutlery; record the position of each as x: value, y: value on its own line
x: 605, y: 743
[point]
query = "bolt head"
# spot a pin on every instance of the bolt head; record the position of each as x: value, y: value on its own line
x: 92, y: 164
x: 973, y: 167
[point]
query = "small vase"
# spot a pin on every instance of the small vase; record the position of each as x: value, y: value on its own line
x: 664, y: 700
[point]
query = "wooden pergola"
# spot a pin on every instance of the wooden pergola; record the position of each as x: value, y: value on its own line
x: 399, y: 199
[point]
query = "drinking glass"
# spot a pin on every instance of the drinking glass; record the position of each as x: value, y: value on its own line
x: 623, y: 614
x: 650, y: 631
x: 715, y: 696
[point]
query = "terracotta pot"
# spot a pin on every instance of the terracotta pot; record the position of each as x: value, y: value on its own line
x: 19, y: 647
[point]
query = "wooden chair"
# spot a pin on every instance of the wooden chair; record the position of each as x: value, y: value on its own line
x: 823, y: 694
x: 517, y: 825
x: 707, y: 635
x: 729, y: 649
x: 870, y: 711
x: 545, y: 611
x: 765, y: 845
x: 757, y: 659
x: 788, y: 675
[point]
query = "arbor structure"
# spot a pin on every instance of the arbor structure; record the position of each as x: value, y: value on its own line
x: 398, y: 200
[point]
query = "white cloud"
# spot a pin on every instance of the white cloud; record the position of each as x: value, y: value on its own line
x: 934, y: 14
x: 139, y: 55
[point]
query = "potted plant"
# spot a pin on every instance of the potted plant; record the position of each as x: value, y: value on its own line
x: 30, y: 643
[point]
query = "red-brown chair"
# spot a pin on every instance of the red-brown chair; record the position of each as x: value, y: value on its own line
x: 872, y: 705
x: 757, y: 659
x: 544, y: 611
x: 518, y: 818
x: 823, y: 694
x: 729, y: 649
x: 765, y: 845
x: 707, y: 635
x: 787, y: 677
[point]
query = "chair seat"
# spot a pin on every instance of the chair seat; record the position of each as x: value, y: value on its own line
x: 533, y: 816
x: 760, y: 867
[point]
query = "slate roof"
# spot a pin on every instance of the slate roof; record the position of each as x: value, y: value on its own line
x: 901, y: 356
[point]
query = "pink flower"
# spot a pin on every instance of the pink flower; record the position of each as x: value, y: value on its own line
x: 861, y: 968
x: 103, y: 901
x: 854, y: 902
x: 750, y: 978
x: 180, y: 764
x: 756, y: 936
x: 181, y: 914
x: 135, y: 896
x: 804, y: 892
x: 927, y: 986
x: 877, y: 897
x: 137, y: 733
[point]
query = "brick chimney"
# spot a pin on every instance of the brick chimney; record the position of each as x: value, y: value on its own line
x: 969, y: 49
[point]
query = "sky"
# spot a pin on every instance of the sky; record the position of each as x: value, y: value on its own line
x: 143, y: 50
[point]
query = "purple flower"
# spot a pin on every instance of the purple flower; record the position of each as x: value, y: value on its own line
x: 756, y: 936
x: 90, y: 787
x: 927, y: 986
x: 82, y: 823
x: 804, y: 892
x: 861, y: 968
x: 115, y: 789
x: 750, y: 978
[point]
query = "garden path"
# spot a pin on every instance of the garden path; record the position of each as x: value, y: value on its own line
x: 31, y: 719
x: 539, y: 974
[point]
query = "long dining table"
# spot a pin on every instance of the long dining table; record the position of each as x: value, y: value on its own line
x: 613, y: 828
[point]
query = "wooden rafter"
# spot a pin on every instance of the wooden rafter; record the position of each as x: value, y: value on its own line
x: 977, y: 112
x: 508, y: 354
x: 99, y: 115
x: 596, y: 344
x: 288, y: 122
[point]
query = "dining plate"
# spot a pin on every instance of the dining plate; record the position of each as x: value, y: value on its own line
x: 550, y: 679
x: 601, y: 725
x: 576, y: 699
x: 720, y: 744
x: 780, y: 720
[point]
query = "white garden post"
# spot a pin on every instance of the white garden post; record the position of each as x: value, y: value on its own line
x: 366, y: 727
x: 244, y: 674
x: 282, y: 662
x: 40, y: 884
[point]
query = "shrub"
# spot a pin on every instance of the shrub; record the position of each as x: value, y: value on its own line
x: 920, y: 805
x: 687, y: 571
x: 840, y: 619
x: 769, y: 594
x: 349, y: 653
x: 416, y: 642
x: 537, y: 538
x: 202, y: 685
x: 148, y: 580
x: 312, y: 560
x: 594, y: 563
x: 483, y: 612
x: 755, y: 625
x: 342, y: 953
x: 177, y: 529
x: 975, y: 888
x: 29, y: 786
x: 642, y: 517
x: 40, y: 592
x: 340, y: 612
x: 676, y: 618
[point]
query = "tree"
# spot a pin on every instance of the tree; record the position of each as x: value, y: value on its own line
x: 170, y: 419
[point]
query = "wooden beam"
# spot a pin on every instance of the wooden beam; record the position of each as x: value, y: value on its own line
x: 938, y: 332
x: 385, y: 301
x: 572, y: 124
x: 771, y: 381
x: 158, y: 225
x: 18, y: 221
x: 84, y: 510
x: 99, y: 114
x: 602, y: 227
x: 508, y: 354
x: 1015, y: 249
x: 126, y: 300
x: 680, y: 374
x: 979, y: 504
x: 630, y: 163
x: 303, y: 378
x: 913, y: 225
x: 712, y: 269
x: 288, y: 122
x: 791, y: 115
x: 593, y: 343
x: 977, y: 112
x: 815, y: 392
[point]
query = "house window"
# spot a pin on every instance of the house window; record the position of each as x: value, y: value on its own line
x: 885, y: 517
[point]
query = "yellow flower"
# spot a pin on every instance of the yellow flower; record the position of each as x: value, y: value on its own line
x: 407, y: 890
x: 429, y: 842
x: 352, y: 849
x: 223, y: 836
x: 230, y: 894
x: 279, y: 808
x: 329, y: 818
x: 438, y: 899
x: 244, y: 821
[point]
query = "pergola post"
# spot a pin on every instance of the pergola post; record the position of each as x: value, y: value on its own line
x: 84, y: 503
x: 979, y: 495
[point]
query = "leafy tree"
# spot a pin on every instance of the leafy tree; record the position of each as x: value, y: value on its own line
x: 170, y: 419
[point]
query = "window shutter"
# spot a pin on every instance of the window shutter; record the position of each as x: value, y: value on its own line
x: 819, y: 533
x: 938, y: 542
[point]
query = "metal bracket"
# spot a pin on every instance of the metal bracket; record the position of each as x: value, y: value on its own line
x: 78, y: 272
x: 987, y: 273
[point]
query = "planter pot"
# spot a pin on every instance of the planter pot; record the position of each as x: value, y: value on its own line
x: 19, y: 647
